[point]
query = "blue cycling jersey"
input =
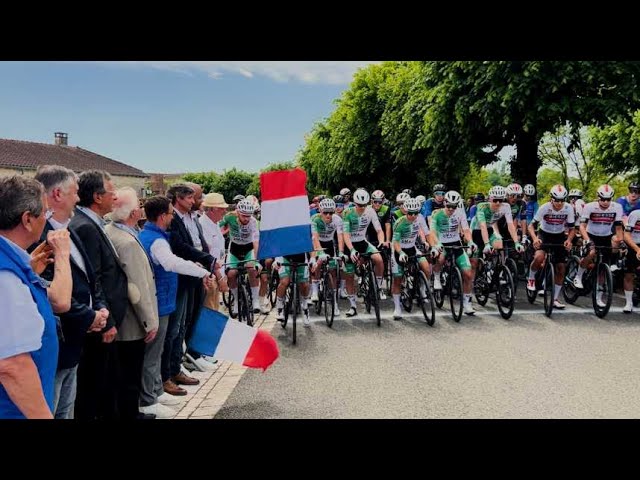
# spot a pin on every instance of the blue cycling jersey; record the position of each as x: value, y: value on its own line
x: 627, y: 206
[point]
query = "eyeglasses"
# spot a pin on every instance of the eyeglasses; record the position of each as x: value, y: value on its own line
x: 377, y: 202
x: 242, y: 215
x: 439, y: 193
x: 360, y: 206
x: 339, y: 205
x: 412, y: 214
x: 555, y: 200
x: 497, y: 200
x: 451, y: 206
x: 604, y: 199
x: 328, y: 213
x: 634, y: 190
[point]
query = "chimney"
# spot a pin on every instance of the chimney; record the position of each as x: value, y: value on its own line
x: 61, y: 138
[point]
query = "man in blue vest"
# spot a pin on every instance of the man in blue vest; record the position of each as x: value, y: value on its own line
x: 28, y: 338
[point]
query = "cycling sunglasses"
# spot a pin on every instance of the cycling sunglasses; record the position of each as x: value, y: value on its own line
x: 451, y: 205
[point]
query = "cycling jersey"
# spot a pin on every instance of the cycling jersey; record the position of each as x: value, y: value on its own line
x: 384, y: 216
x: 406, y: 232
x: 633, y: 226
x: 600, y: 222
x: 484, y: 214
x: 356, y: 225
x: 447, y: 228
x: 238, y: 233
x: 554, y: 221
x: 532, y: 208
x: 430, y: 206
x: 326, y: 231
x: 627, y: 206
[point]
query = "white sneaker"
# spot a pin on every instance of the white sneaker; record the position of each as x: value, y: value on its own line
x: 577, y: 282
x: 280, y: 314
x: 203, y: 365
x: 306, y: 321
x: 256, y: 305
x: 343, y: 293
x: 265, y: 308
x: 234, y: 309
x: 541, y: 293
x: 628, y: 308
x: 614, y: 268
x: 314, y: 297
x: 383, y: 296
x: 436, y: 282
x: 531, y: 284
x: 468, y: 309
x: 336, y: 310
x: 309, y: 302
x: 558, y: 304
x: 397, y: 314
x: 167, y: 399
x: 600, y: 303
x: 159, y: 410
x: 210, y: 359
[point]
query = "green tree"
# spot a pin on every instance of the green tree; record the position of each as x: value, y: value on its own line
x: 207, y: 180
x: 617, y: 147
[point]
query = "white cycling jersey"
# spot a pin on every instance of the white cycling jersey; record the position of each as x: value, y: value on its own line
x: 600, y: 221
x: 554, y: 221
x: 633, y: 226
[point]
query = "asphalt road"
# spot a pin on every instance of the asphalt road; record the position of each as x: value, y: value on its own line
x: 573, y: 365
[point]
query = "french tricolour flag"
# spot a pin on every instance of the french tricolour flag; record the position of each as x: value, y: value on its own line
x: 218, y: 336
x: 285, y: 225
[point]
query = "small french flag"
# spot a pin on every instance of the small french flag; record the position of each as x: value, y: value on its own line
x: 216, y: 335
x: 285, y: 225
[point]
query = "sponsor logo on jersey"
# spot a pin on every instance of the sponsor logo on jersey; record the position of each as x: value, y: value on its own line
x: 602, y: 217
x: 555, y: 219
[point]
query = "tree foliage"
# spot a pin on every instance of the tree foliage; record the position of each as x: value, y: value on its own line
x: 617, y: 147
x: 229, y: 183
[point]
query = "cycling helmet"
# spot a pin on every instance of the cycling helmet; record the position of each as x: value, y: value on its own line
x: 412, y: 205
x: 338, y: 199
x: 634, y: 186
x: 574, y: 192
x: 439, y: 187
x: 514, y: 189
x: 421, y: 199
x: 605, y: 192
x: 327, y: 204
x: 361, y: 197
x: 408, y: 191
x: 479, y: 197
x: 452, y: 197
x: 246, y: 207
x: 529, y: 189
x: 497, y: 192
x: 402, y: 197
x: 237, y: 198
x: 377, y: 195
x: 345, y: 192
x: 558, y: 192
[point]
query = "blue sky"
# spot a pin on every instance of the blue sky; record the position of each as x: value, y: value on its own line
x: 173, y: 116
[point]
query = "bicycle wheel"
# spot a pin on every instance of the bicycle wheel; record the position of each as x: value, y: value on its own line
x: 510, y: 263
x: 425, y: 299
x: 295, y: 302
x: 365, y: 287
x: 247, y: 307
x: 274, y: 280
x: 549, y: 288
x: 480, y: 283
x: 456, y: 296
x: 287, y: 305
x: 569, y: 291
x: 329, y: 299
x: 229, y: 303
x: 406, y: 292
x: 374, y: 295
x: 604, y: 286
x: 318, y: 305
x: 225, y: 299
x: 504, y: 292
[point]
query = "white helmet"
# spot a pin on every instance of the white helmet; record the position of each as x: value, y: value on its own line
x: 361, y: 197
x: 421, y: 199
x: 605, y: 192
x: 377, y: 195
x: 327, y: 204
x: 497, y: 192
x: 245, y: 207
x: 529, y: 189
x: 402, y: 197
x: 558, y: 192
x: 256, y: 203
x: 412, y: 205
x: 452, y: 197
x: 574, y: 192
x: 515, y: 189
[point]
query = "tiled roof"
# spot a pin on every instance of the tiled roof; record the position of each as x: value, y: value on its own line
x: 19, y: 154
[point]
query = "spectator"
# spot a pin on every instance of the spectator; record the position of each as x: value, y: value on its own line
x: 140, y: 323
x: 28, y: 343
x: 157, y: 389
x: 88, y: 309
x: 215, y: 208
x: 96, y: 395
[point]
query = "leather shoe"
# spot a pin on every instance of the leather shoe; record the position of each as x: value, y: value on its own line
x: 146, y: 416
x: 182, y: 379
x: 173, y: 389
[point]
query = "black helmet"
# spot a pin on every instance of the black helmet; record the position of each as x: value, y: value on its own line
x: 439, y: 187
x: 634, y: 186
x: 479, y: 197
x: 338, y: 199
x: 321, y: 197
x: 237, y: 198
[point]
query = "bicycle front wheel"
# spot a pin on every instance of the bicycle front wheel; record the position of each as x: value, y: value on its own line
x: 425, y: 299
x: 329, y: 300
x: 569, y: 291
x: 505, y: 292
x: 549, y: 287
x: 374, y: 297
x: 456, y: 296
x: 602, y: 293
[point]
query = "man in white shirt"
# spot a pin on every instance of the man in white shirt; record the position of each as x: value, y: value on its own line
x: 214, y: 209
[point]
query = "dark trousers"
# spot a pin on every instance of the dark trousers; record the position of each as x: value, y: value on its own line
x: 172, y: 352
x: 197, y: 301
x: 96, y: 394
x: 129, y: 377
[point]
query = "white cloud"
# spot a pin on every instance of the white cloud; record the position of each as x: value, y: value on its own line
x: 332, y: 73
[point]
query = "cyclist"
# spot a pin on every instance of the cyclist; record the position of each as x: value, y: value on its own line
x: 597, y: 223
x: 356, y: 221
x: 632, y: 239
x: 553, y: 218
x: 346, y: 193
x: 384, y: 217
x: 531, y: 201
x: 324, y: 227
x: 447, y: 224
x: 235, y: 201
x: 244, y: 237
x: 397, y: 212
x: 630, y: 202
x: 283, y: 265
x: 478, y: 198
x: 434, y: 203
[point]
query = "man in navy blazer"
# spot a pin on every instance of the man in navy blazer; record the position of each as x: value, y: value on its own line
x: 96, y: 396
x: 88, y: 308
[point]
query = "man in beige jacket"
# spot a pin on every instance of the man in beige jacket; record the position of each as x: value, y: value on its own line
x: 140, y: 324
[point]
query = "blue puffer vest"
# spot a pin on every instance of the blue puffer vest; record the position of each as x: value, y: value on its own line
x: 166, y: 282
x: 46, y: 358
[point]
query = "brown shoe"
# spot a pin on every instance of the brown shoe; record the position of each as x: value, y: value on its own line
x: 173, y: 389
x: 182, y: 379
